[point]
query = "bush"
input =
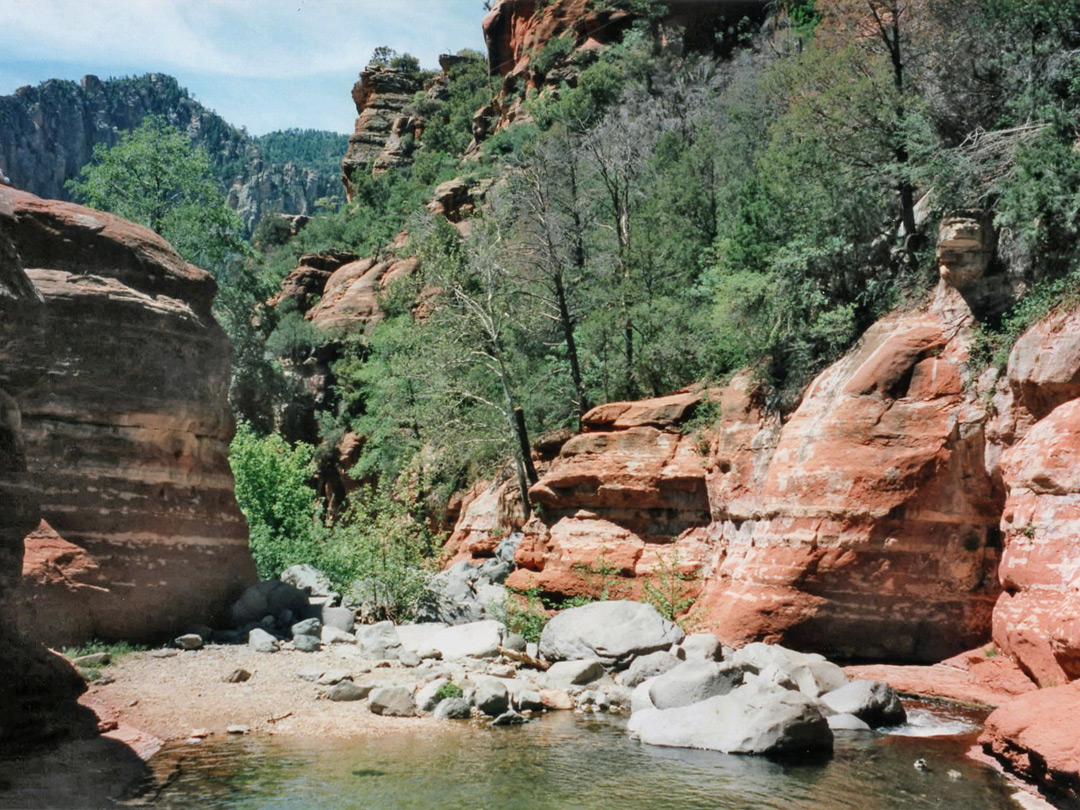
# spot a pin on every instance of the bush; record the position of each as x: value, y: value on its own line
x: 274, y: 492
x: 449, y: 690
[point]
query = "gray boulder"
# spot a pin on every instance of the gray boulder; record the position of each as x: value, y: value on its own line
x: 508, y: 718
x: 700, y: 647
x: 453, y: 709
x: 332, y: 676
x: 460, y: 595
x: 692, y: 682
x: 391, y: 701
x: 847, y: 722
x: 333, y: 635
x: 378, y: 641
x: 343, y: 691
x: 473, y: 640
x: 749, y: 720
x: 306, y: 643
x: 810, y: 672
x: 427, y: 695
x: 648, y: 666
x: 268, y: 598
x: 261, y: 641
x: 565, y: 674
x: 307, y: 578
x: 527, y: 700
x: 613, y: 633
x: 339, y: 617
x: 873, y: 702
x: 308, y: 627
x: 489, y: 695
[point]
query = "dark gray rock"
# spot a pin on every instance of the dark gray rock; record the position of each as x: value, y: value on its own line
x: 237, y: 676
x: 378, y: 641
x: 694, y: 681
x: 261, y: 641
x: 565, y: 674
x: 700, y: 647
x: 391, y: 701
x: 333, y: 676
x: 339, y: 617
x: 648, y: 666
x: 308, y: 627
x: 613, y: 633
x: 268, y: 598
x: 489, y: 695
x: 427, y: 696
x: 348, y: 691
x: 453, y: 709
x: 873, y: 702
x: 307, y: 643
x: 527, y: 700
x: 509, y: 718
x: 516, y: 642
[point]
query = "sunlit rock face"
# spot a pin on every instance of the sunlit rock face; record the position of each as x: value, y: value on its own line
x: 122, y: 397
x: 965, y: 247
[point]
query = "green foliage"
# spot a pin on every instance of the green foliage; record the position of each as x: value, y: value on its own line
x: 448, y: 125
x: 115, y: 649
x: 294, y: 338
x: 448, y: 690
x: 666, y: 589
x: 602, y: 579
x: 525, y: 614
x: 554, y: 52
x: 155, y: 176
x: 305, y: 148
x: 274, y: 492
x: 380, y: 540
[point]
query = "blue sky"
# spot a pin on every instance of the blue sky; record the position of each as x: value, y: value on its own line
x: 262, y: 64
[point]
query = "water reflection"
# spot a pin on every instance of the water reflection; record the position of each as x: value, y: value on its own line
x: 564, y: 763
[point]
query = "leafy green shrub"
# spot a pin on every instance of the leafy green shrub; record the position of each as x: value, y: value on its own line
x: 379, y: 541
x: 666, y: 589
x: 552, y: 54
x: 116, y: 649
x: 525, y: 614
x: 449, y: 690
x: 274, y: 492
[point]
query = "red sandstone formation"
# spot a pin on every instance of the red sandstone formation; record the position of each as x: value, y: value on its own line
x: 1035, y: 737
x: 37, y: 688
x: 381, y: 96
x: 125, y: 424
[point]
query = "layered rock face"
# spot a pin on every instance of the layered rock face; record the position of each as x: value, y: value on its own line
x: 37, y: 689
x: 1037, y: 619
x: 382, y: 98
x: 873, y: 531
x: 125, y: 426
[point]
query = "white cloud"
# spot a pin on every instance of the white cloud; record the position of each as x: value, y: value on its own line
x: 237, y: 38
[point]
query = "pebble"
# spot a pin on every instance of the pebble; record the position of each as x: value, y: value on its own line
x: 238, y: 729
x: 237, y: 676
x: 199, y: 733
x: 189, y: 641
x: 165, y: 653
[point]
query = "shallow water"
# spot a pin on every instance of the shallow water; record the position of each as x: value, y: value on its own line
x: 563, y: 762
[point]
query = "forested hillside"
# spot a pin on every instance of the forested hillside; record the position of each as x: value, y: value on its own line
x: 48, y: 133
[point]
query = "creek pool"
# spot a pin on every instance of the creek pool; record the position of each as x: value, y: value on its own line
x: 568, y: 762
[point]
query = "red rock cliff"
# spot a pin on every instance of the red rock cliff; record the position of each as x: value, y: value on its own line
x: 125, y: 425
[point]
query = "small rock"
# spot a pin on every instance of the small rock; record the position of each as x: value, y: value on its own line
x: 846, y: 722
x: 510, y: 718
x: 453, y: 709
x: 261, y: 641
x: 306, y: 643
x: 490, y: 696
x: 237, y: 676
x: 430, y: 654
x: 502, y: 670
x: 334, y: 635
x: 558, y: 699
x: 391, y: 701
x: 528, y: 700
x: 700, y: 647
x: 427, y: 699
x: 516, y: 643
x: 189, y: 641
x: 94, y: 659
x: 166, y: 653
x: 954, y: 774
x: 565, y: 674
x: 238, y: 729
x: 333, y: 676
x: 309, y: 674
x: 347, y: 690
x: 199, y: 733
x: 407, y: 658
x: 308, y: 627
x: 921, y: 765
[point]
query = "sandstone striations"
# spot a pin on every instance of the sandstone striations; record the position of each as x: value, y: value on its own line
x: 37, y: 688
x: 125, y: 426
x: 382, y: 97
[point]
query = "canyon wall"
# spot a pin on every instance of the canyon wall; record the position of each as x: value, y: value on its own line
x: 122, y: 399
x: 37, y: 688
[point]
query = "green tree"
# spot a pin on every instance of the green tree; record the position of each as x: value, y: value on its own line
x: 156, y: 177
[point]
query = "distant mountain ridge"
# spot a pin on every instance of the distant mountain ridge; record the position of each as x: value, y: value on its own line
x: 48, y: 133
